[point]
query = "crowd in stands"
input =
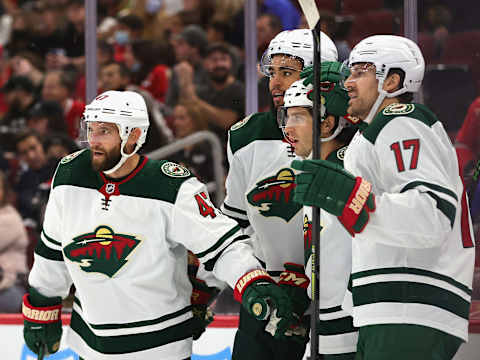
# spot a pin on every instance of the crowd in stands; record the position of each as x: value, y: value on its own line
x: 187, y: 59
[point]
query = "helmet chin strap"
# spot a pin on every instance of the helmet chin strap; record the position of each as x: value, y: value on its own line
x: 123, y: 158
x: 382, y: 94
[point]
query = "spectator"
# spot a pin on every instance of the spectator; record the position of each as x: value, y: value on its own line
x: 34, y: 181
x: 28, y: 64
x: 284, y: 9
x: 20, y: 97
x: 155, y: 72
x: 72, y: 50
x: 129, y: 29
x: 59, y: 145
x: 13, y: 245
x: 222, y: 96
x: 46, y: 117
x: 188, y: 119
x: 268, y: 25
x: 114, y: 76
x: 58, y: 86
x: 189, y: 47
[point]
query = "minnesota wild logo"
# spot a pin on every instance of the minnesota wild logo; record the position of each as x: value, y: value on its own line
x: 273, y: 195
x: 101, y: 251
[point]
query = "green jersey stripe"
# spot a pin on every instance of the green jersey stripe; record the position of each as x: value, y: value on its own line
x: 413, y: 271
x: 130, y: 343
x: 44, y: 251
x: 137, y: 323
x: 54, y: 242
x: 336, y: 326
x: 234, y: 209
x: 446, y: 207
x: 219, y: 242
x: 431, y: 186
x: 210, y: 264
x: 412, y: 293
x: 330, y: 310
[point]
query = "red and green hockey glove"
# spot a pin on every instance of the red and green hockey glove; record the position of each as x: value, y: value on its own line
x: 328, y: 186
x: 260, y: 296
x: 202, y: 297
x: 42, y: 324
x: 295, y: 283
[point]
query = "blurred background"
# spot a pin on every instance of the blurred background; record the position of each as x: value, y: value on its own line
x: 195, y: 62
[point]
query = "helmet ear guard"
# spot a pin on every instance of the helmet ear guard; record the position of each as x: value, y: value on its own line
x: 127, y: 110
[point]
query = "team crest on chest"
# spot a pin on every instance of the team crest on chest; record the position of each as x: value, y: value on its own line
x: 398, y: 109
x: 102, y: 251
x: 174, y: 170
x: 273, y: 196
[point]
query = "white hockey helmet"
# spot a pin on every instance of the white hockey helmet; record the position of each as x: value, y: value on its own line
x: 126, y: 109
x: 298, y: 43
x: 388, y: 52
x: 297, y: 96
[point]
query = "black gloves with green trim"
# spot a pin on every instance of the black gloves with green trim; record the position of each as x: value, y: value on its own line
x: 42, y: 324
x: 328, y: 186
x: 295, y: 283
x: 263, y: 298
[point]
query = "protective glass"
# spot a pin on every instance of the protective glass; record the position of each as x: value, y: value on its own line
x: 284, y: 119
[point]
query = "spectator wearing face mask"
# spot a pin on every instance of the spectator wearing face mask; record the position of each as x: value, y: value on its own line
x: 129, y: 29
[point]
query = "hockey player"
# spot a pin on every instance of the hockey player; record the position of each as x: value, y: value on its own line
x: 403, y: 201
x: 337, y: 336
x: 117, y: 226
x: 259, y: 196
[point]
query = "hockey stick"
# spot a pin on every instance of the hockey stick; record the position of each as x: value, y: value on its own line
x: 310, y: 10
x: 42, y: 351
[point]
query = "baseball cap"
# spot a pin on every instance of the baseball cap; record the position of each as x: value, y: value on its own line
x: 195, y: 36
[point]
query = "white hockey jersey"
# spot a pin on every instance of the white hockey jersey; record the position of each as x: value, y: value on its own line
x: 123, y: 245
x: 259, y: 190
x: 413, y: 263
x: 337, y: 334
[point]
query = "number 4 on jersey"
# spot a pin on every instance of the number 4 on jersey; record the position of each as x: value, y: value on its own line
x: 204, y: 205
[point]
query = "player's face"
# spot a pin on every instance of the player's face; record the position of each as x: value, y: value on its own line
x: 298, y: 130
x: 284, y: 70
x: 104, y: 141
x: 362, y: 87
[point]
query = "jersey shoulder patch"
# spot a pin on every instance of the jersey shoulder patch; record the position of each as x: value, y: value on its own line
x: 258, y: 126
x: 159, y: 179
x: 337, y: 156
x: 398, y: 109
x: 70, y: 157
x: 417, y: 112
x: 174, y: 170
x: 76, y: 169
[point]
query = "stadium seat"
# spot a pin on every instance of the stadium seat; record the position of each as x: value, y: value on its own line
x: 357, y: 7
x: 329, y: 5
x: 371, y: 23
x: 449, y: 91
x: 462, y: 48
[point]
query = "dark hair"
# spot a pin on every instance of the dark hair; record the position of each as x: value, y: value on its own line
x: 124, y: 70
x: 347, y: 133
x: 275, y: 22
x: 404, y: 98
x: 131, y: 21
x: 51, y: 110
x: 25, y: 134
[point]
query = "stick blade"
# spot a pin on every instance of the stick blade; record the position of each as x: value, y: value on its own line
x: 309, y: 8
